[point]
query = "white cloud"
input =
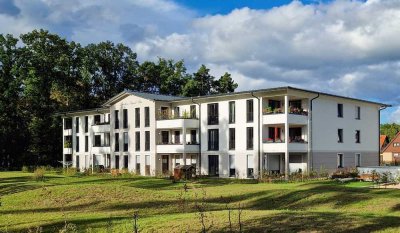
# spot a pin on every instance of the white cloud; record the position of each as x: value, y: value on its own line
x: 395, y: 116
x: 346, y: 47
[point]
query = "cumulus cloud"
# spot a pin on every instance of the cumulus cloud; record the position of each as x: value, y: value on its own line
x: 345, y: 47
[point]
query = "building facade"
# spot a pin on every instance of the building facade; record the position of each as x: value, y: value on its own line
x: 244, y: 134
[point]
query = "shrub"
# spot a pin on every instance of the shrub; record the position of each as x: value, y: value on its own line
x: 38, y: 174
x: 25, y: 169
x: 69, y: 171
x: 345, y: 173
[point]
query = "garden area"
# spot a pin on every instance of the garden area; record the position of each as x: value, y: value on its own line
x: 61, y: 202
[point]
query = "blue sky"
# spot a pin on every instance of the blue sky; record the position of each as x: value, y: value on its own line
x: 344, y: 47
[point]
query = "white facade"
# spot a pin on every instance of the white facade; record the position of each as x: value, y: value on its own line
x: 286, y: 134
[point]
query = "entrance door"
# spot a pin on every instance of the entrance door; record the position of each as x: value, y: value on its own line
x: 165, y: 163
x: 213, y: 165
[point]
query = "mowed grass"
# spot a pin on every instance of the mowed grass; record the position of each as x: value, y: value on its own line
x: 106, y: 204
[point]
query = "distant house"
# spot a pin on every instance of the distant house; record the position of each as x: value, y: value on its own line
x: 391, y: 152
x: 383, y: 141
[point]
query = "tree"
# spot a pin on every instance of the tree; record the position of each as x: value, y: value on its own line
x: 225, y: 84
x: 390, y: 130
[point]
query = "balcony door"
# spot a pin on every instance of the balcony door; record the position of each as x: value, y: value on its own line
x: 177, y: 137
x: 213, y: 165
x: 164, y: 137
x: 165, y: 164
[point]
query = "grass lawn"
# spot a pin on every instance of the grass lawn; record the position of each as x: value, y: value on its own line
x: 106, y: 204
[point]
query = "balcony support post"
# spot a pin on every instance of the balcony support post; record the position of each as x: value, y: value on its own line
x: 286, y: 137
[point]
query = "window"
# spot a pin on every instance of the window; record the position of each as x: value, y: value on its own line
x: 116, y: 116
x: 117, y: 162
x: 137, y: 168
x: 358, y: 112
x: 176, y: 112
x: 396, y: 144
x: 126, y: 161
x: 340, y: 160
x: 147, y: 141
x: 97, y: 140
x: 232, y: 109
x: 125, y: 141
x: 177, y: 137
x: 213, y: 140
x: 86, y: 143
x: 116, y: 142
x: 77, y: 161
x: 146, y: 117
x: 340, y: 135
x: 250, y: 138
x: 193, y: 137
x: 164, y: 137
x: 147, y: 165
x: 250, y: 110
x: 358, y: 135
x: 232, y: 170
x: 340, y: 110
x: 212, y: 110
x: 106, y: 139
x: 67, y: 123
x: 86, y: 124
x: 77, y: 124
x: 250, y: 166
x: 232, y: 137
x: 137, y: 117
x: 125, y: 118
x: 137, y: 140
x: 96, y: 119
x: 77, y: 144
x: 68, y: 142
x: 193, y: 113
x: 358, y: 160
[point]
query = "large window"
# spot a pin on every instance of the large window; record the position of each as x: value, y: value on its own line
x: 232, y: 138
x: 146, y: 117
x: 125, y: 116
x: 358, y: 159
x: 96, y: 119
x: 212, y: 111
x: 193, y: 136
x: 126, y: 141
x: 340, y: 160
x: 116, y: 142
x: 250, y: 110
x: 250, y: 166
x: 358, y: 135
x: 137, y: 140
x: 147, y: 165
x: 116, y: 121
x: 232, y: 169
x: 77, y: 124
x: 126, y: 161
x: 340, y: 135
x: 232, y: 115
x: 358, y: 112
x: 340, y: 110
x: 137, y: 117
x: 164, y: 137
x: 193, y: 113
x: 137, y: 168
x: 86, y: 124
x: 97, y: 140
x: 117, y: 162
x: 67, y: 123
x: 147, y: 140
x: 86, y: 143
x: 77, y: 144
x: 213, y: 139
x: 250, y: 138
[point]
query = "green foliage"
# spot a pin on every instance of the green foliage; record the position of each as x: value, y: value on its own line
x: 390, y: 129
x: 38, y: 174
x: 25, y: 169
x: 46, y: 74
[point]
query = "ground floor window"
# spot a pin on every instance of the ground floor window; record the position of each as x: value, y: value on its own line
x: 137, y: 164
x: 232, y: 170
x: 358, y: 160
x: 340, y: 160
x: 147, y: 165
x: 77, y: 162
x: 117, y: 162
x: 108, y: 161
x: 213, y: 165
x: 126, y: 161
x: 250, y: 166
x: 68, y: 157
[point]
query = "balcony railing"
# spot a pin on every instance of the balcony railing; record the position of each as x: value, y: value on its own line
x: 291, y: 110
x: 167, y: 116
x: 169, y: 143
x: 272, y: 140
x: 269, y: 110
x: 102, y: 145
x: 101, y: 123
x: 67, y: 144
x: 297, y: 139
x: 297, y: 111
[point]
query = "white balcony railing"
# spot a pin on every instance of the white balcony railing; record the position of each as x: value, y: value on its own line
x: 177, y: 148
x: 101, y: 150
x: 101, y: 128
x: 177, y: 123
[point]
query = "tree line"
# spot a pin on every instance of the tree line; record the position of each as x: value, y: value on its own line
x: 390, y: 130
x: 42, y: 74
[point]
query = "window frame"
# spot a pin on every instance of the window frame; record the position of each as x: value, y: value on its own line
x: 357, y: 159
x: 340, y: 160
x: 232, y: 139
x: 232, y: 112
x: 340, y: 108
x: 213, y: 145
x: 137, y: 117
x: 137, y: 141
x: 249, y: 138
x: 213, y: 114
x: 249, y: 110
x: 340, y: 137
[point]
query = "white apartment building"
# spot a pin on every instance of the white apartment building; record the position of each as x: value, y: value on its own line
x: 278, y: 130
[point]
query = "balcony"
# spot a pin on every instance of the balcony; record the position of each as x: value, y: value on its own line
x: 274, y: 146
x: 177, y: 148
x: 67, y: 132
x: 101, y: 149
x: 298, y: 147
x: 178, y: 122
x: 101, y: 127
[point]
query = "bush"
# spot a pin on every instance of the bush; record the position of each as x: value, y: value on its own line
x: 25, y: 169
x: 69, y: 171
x: 38, y: 174
x: 345, y: 173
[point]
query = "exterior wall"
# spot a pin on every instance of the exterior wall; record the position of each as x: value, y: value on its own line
x: 131, y: 103
x: 329, y: 160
